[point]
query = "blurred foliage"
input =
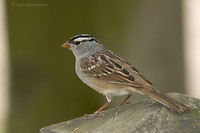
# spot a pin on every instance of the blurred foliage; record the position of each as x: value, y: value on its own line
x: 45, y: 88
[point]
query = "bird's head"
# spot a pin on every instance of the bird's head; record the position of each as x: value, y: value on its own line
x: 83, y: 45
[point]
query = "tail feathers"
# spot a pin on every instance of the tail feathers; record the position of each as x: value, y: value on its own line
x: 168, y: 101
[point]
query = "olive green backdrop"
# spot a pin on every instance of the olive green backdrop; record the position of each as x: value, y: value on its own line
x: 44, y: 87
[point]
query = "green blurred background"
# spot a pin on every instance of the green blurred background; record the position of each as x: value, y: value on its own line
x: 44, y: 87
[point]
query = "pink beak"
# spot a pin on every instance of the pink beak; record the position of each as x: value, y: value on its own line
x: 66, y: 45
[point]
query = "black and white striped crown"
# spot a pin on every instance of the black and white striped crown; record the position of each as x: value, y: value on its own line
x: 82, y: 38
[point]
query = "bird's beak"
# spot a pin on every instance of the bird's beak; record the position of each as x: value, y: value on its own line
x: 66, y: 45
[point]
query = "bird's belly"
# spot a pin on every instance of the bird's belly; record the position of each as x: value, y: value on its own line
x: 106, y: 88
x: 115, y: 92
x: 109, y: 89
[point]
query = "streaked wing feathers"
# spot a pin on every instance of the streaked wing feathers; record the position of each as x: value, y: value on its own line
x: 103, y: 65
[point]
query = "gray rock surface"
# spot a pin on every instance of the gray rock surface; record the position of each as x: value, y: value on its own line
x: 147, y: 116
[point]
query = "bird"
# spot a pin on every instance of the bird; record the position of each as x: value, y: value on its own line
x: 111, y: 75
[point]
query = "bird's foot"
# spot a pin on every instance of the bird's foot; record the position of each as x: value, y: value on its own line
x: 95, y: 114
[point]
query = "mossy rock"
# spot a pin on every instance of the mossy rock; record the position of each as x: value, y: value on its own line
x: 147, y: 116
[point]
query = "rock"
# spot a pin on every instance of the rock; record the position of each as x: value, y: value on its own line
x: 147, y: 116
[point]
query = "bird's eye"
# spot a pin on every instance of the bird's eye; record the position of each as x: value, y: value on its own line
x: 77, y: 42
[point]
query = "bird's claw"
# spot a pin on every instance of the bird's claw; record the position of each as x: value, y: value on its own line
x: 95, y: 114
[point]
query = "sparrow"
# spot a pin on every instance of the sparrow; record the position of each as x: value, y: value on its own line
x: 111, y: 75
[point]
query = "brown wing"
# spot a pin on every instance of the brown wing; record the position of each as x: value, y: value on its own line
x: 104, y: 65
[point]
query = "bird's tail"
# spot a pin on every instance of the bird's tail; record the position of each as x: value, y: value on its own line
x: 167, y: 101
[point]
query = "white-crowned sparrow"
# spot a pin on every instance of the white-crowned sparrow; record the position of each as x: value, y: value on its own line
x: 111, y: 75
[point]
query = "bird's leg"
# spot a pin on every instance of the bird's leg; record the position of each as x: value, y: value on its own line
x: 96, y: 113
x: 102, y: 107
x: 124, y: 101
